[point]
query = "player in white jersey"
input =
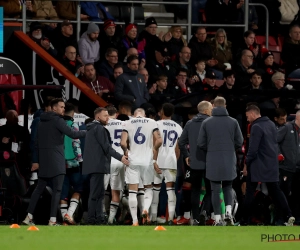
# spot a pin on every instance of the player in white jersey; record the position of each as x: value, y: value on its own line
x: 140, y: 141
x: 168, y: 155
x: 116, y: 177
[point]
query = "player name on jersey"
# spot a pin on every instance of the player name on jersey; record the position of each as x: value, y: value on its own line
x: 169, y: 124
x: 139, y: 121
x: 114, y: 124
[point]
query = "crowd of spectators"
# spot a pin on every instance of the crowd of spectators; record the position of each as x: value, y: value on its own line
x: 145, y: 69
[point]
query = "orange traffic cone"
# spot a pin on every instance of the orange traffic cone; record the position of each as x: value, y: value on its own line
x: 33, y: 228
x: 14, y: 226
x: 160, y: 228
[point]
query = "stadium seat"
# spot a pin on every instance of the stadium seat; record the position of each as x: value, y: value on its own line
x: 125, y: 12
x: 113, y: 10
x: 273, y: 46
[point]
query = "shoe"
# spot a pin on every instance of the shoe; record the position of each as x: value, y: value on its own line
x: 153, y: 222
x: 195, y: 222
x: 69, y: 220
x: 220, y: 223
x: 210, y: 222
x: 183, y: 221
x: 161, y: 220
x: 228, y: 220
x: 170, y: 223
x: 290, y: 222
x: 135, y: 224
x: 28, y: 221
x: 65, y: 224
x: 203, y: 218
x: 51, y: 223
x: 146, y: 219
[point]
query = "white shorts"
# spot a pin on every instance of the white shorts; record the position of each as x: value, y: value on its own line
x: 168, y: 174
x: 139, y: 175
x: 116, y: 177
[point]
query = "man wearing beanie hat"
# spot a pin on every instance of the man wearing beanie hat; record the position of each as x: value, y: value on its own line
x: 109, y: 37
x: 149, y: 34
x: 89, y: 47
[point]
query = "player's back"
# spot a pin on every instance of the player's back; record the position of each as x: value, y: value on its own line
x: 140, y: 134
x: 170, y: 132
x: 115, y: 128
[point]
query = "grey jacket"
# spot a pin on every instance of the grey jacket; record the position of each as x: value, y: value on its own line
x: 189, y: 137
x: 50, y: 144
x: 288, y: 144
x: 131, y: 85
x: 220, y: 136
x: 98, y: 150
x: 88, y: 50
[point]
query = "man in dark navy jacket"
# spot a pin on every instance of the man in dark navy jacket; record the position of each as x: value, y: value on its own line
x: 262, y: 162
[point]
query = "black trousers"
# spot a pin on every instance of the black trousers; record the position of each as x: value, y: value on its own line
x: 95, y: 209
x: 274, y: 191
x: 57, y: 183
x: 286, y: 184
x: 216, y: 187
x: 196, y: 181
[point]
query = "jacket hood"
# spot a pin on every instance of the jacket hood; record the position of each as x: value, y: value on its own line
x: 261, y: 119
x: 86, y: 37
x: 38, y: 113
x: 200, y: 117
x: 219, y: 111
x: 130, y: 72
x: 48, y: 116
x: 92, y: 124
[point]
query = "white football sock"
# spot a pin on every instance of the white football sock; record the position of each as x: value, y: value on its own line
x: 133, y: 205
x: 72, y: 207
x: 217, y: 218
x: 154, y: 204
x: 113, y: 211
x: 140, y: 199
x: 171, y: 202
x: 228, y: 210
x: 187, y: 215
x: 63, y: 209
x: 30, y: 216
x: 148, y: 198
x: 53, y: 219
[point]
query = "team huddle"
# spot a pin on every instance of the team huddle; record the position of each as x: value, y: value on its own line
x: 152, y: 150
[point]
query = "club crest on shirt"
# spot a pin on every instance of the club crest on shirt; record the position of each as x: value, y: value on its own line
x: 140, y: 80
x: 292, y: 131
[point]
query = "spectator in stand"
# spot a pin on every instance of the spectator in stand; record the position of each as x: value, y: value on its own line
x: 68, y: 10
x: 290, y: 54
x: 159, y: 66
x: 130, y: 86
x: 209, y: 82
x: 106, y: 68
x: 78, y: 117
x: 252, y: 16
x: 254, y: 91
x: 262, y: 164
x: 96, y: 11
x: 269, y: 67
x: 118, y: 70
x: 174, y: 41
x: 278, y: 80
x: 88, y: 45
x: 70, y: 61
x: 256, y: 81
x: 149, y: 35
x: 249, y: 43
x: 36, y: 35
x: 145, y: 74
x: 46, y: 11
x: 198, y: 75
x: 223, y: 11
x: 108, y: 38
x: 134, y: 52
x: 130, y: 41
x: 182, y: 62
x: 180, y: 88
x: 64, y: 39
x: 125, y: 108
x: 221, y: 50
x: 228, y: 86
x: 13, y: 8
x: 244, y: 69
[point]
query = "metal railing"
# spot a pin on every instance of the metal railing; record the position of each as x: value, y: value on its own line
x: 189, y: 23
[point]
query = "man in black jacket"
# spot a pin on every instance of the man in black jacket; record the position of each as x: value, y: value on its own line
x: 51, y: 160
x: 96, y: 163
x: 195, y: 159
x: 262, y: 163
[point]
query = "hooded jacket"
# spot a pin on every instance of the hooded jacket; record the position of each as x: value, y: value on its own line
x: 34, y: 127
x: 131, y: 86
x: 291, y: 56
x: 50, y: 143
x: 88, y: 50
x: 189, y: 137
x: 98, y: 150
x: 261, y: 160
x: 220, y: 136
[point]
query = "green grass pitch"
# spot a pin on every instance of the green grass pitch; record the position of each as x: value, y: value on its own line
x: 144, y: 237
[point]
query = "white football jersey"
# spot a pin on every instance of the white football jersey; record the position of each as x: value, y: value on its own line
x: 115, y: 128
x: 80, y: 118
x: 140, y: 134
x: 170, y: 132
